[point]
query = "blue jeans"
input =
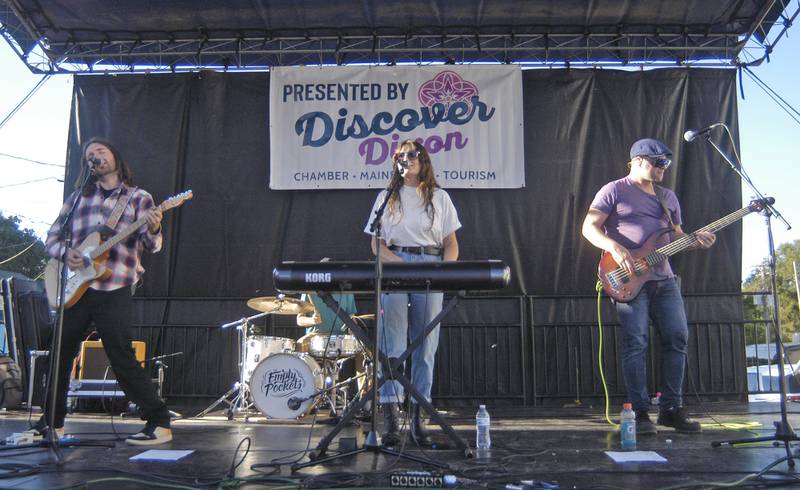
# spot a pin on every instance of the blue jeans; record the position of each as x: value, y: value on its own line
x: 661, y: 302
x: 405, y: 316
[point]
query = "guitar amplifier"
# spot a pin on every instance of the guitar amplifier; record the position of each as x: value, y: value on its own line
x: 94, y: 361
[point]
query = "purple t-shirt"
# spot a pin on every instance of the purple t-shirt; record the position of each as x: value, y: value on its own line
x: 634, y: 216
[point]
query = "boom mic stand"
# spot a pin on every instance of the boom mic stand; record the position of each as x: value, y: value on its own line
x: 240, y: 403
x: 51, y: 440
x: 783, y: 429
x: 161, y: 367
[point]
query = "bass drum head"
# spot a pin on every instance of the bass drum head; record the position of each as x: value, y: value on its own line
x: 281, y: 377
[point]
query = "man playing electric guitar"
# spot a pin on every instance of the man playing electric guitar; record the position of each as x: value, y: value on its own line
x: 622, y: 216
x: 109, y: 200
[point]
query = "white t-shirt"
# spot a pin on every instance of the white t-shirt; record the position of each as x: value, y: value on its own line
x: 410, y: 226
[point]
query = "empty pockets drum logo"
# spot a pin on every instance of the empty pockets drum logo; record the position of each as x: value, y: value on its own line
x: 281, y: 383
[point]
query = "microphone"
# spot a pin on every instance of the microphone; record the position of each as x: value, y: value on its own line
x: 95, y: 163
x: 294, y: 402
x: 402, y: 166
x: 692, y: 134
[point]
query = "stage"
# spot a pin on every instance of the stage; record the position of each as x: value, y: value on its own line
x: 564, y: 447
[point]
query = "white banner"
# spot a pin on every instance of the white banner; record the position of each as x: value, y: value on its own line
x: 337, y: 127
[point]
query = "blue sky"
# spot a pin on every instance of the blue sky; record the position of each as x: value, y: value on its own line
x: 38, y: 132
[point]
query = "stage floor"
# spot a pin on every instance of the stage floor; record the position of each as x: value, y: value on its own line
x: 565, y: 447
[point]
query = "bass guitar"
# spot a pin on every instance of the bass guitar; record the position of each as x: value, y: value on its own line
x: 95, y: 252
x: 623, y: 287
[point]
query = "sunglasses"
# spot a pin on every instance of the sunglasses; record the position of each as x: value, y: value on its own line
x: 660, y: 162
x: 412, y: 155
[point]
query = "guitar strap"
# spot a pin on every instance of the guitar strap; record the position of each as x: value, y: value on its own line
x: 660, y: 195
x: 672, y: 227
x: 116, y: 214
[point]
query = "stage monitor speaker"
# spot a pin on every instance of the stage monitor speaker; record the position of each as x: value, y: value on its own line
x: 94, y: 360
x: 26, y: 315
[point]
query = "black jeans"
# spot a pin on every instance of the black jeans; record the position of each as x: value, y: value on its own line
x: 111, y: 313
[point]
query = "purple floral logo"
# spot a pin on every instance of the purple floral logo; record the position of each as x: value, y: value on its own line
x: 447, y: 88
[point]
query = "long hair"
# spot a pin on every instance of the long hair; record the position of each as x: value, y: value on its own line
x: 123, y: 170
x: 427, y: 180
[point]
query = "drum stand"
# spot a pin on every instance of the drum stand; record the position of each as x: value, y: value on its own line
x: 336, y: 392
x: 241, y: 401
x: 330, y: 386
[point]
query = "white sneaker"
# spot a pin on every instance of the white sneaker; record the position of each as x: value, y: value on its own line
x: 151, y: 435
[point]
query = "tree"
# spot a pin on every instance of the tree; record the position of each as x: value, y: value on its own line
x: 759, y: 280
x: 14, y: 240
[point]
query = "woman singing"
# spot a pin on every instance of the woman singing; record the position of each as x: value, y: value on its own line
x: 419, y: 225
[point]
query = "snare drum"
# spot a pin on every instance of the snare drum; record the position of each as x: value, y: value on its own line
x: 338, y: 345
x: 279, y: 379
x: 259, y: 347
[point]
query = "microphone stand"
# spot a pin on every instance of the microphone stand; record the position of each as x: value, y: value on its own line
x: 55, y: 345
x: 239, y: 403
x: 373, y: 440
x: 161, y: 366
x: 783, y: 429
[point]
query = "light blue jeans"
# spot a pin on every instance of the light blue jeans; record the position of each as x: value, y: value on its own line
x: 405, y: 317
x: 661, y: 302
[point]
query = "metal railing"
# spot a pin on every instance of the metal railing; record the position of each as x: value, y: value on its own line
x: 504, y: 350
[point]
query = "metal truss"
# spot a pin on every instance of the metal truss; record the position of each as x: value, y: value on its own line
x: 132, y: 52
x: 262, y: 53
x: 762, y: 48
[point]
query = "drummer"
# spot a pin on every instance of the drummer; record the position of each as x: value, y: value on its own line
x: 325, y: 321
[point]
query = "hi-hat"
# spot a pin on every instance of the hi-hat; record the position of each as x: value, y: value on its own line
x: 281, y: 305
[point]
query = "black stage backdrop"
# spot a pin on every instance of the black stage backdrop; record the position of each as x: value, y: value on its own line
x: 210, y: 132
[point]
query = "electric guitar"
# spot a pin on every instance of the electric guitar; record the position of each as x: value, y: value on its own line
x: 623, y: 287
x: 95, y: 253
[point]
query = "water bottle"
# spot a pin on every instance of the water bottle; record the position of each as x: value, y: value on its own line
x: 627, y: 427
x: 483, y: 440
x: 656, y: 399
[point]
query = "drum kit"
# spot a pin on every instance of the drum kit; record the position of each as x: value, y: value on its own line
x: 283, y: 378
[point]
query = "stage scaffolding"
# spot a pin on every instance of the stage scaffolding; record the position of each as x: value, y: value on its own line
x: 45, y: 46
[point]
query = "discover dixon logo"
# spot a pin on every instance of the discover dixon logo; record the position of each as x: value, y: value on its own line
x: 318, y: 277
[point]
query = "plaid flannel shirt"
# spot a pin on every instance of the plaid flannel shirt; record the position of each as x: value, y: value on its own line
x: 124, y: 259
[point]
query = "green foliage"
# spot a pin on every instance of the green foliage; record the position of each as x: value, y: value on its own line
x: 759, y: 280
x: 14, y: 240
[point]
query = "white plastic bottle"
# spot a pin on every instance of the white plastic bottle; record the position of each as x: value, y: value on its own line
x: 627, y: 428
x: 483, y: 438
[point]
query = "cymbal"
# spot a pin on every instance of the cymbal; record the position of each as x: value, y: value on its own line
x: 281, y: 305
x: 366, y: 316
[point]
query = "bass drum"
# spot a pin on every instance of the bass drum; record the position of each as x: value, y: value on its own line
x: 280, y: 379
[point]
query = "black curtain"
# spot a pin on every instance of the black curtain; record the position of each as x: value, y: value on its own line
x: 210, y: 132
